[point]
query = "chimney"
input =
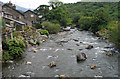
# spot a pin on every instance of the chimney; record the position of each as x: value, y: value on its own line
x: 10, y: 4
x: 14, y: 6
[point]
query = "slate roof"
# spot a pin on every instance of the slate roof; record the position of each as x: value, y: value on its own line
x: 13, y: 9
x: 30, y: 11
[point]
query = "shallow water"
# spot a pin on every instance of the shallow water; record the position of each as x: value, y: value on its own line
x: 54, y: 50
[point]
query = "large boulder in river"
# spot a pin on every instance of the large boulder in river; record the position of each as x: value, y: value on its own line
x: 81, y: 57
x: 89, y: 47
x: 52, y: 64
x: 66, y: 29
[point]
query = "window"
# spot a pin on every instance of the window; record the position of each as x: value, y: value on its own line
x: 4, y: 8
x: 32, y: 15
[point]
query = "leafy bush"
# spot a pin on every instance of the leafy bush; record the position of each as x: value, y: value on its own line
x: 14, y: 48
x: 33, y: 28
x: 3, y: 22
x: 114, y: 33
x: 38, y: 26
x: 85, y: 22
x: 38, y: 42
x: 16, y: 33
x: 7, y: 22
x: 43, y: 32
x: 33, y: 35
x: 52, y: 28
x: 6, y: 56
x: 100, y: 20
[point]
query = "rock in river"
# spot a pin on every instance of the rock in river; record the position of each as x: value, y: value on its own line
x: 69, y: 49
x: 81, y: 57
x: 35, y: 51
x: 66, y: 29
x: 64, y: 41
x: 94, y: 66
x: 76, y: 40
x: 89, y: 47
x: 29, y: 63
x: 109, y: 54
x: 52, y: 64
x: 63, y: 76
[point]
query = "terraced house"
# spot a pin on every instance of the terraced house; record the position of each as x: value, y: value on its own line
x: 11, y: 13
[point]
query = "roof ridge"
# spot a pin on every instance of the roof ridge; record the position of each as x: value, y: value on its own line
x: 13, y: 9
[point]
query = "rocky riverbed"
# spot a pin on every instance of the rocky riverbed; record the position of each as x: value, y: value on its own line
x: 61, y: 50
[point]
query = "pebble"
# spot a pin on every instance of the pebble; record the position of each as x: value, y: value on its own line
x: 29, y: 63
x: 35, y: 51
x: 94, y: 66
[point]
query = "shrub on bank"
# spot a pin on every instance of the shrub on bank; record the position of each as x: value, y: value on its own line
x: 43, y: 32
x: 51, y: 27
x: 12, y: 49
x: 38, y: 26
x: 85, y: 23
x: 16, y: 34
x: 114, y: 33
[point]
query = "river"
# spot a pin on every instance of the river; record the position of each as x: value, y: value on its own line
x: 54, y: 50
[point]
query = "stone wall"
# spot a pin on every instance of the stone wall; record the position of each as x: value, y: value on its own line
x: 30, y: 16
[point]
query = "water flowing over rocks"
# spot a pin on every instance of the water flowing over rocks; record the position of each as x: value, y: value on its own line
x: 62, y: 49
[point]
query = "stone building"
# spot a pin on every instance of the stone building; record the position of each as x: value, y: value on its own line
x: 28, y: 17
x: 31, y: 16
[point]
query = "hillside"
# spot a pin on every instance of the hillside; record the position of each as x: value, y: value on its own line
x: 88, y: 8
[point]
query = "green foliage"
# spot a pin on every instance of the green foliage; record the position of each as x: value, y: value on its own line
x: 59, y: 15
x: 33, y: 28
x: 13, y: 48
x: 89, y: 8
x: 34, y: 35
x: 7, y: 22
x: 100, y: 20
x: 42, y: 10
x: 16, y: 34
x: 76, y: 17
x: 25, y: 28
x: 6, y: 56
x: 38, y: 26
x: 85, y: 22
x: 55, y: 3
x: 51, y: 27
x: 3, y: 22
x: 38, y: 42
x: 114, y: 33
x: 43, y: 32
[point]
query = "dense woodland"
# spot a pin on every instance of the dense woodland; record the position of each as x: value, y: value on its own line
x: 104, y: 15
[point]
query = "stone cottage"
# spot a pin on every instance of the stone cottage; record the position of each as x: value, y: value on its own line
x: 31, y: 16
x: 28, y: 17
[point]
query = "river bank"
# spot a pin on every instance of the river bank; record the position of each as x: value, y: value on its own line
x: 55, y: 50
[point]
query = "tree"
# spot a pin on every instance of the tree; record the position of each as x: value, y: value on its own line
x: 55, y: 3
x: 85, y: 22
x: 100, y: 20
x: 42, y: 9
x: 58, y: 14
